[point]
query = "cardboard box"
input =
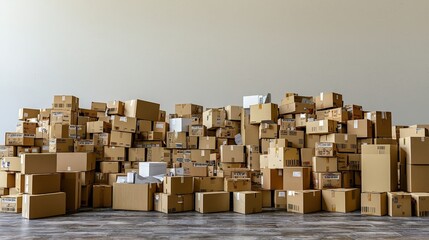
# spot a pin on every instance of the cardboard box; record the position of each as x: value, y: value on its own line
x: 307, y: 155
x: 311, y: 140
x: 142, y: 110
x: 137, y: 197
x: 233, y: 112
x: 399, y: 204
x: 296, y: 178
x: 324, y: 164
x: 115, y: 108
x: 137, y: 154
x: 382, y: 123
x: 176, y: 140
x: 304, y: 201
x: 420, y: 203
x: 42, y: 183
x: 7, y: 180
x: 18, y: 139
x: 87, y: 178
x: 167, y: 203
x: 121, y: 139
x: 188, y: 109
x: 263, y: 161
x: 212, y: 202
x: 102, y: 196
x: 67, y: 162
x: 232, y: 154
x: 66, y: 102
x: 344, y: 142
x: 247, y: 202
x: 114, y: 153
x: 374, y: 203
x: 341, y: 200
x: 417, y: 178
x: 414, y: 150
x: 146, y: 126
x: 178, y: 185
x: 180, y: 124
x: 295, y: 138
x: 85, y: 145
x: 33, y: 206
x: 20, y: 182
x: 98, y: 127
x: 354, y: 111
x: 264, y: 113
x: 110, y: 167
x: 379, y: 168
x: 207, y: 143
x: 268, y: 130
x: 277, y: 143
x: 11, y: 204
x: 327, y: 100
x: 158, y: 154
x: 38, y: 163
x: 99, y: 106
x: 66, y: 117
x: 302, y: 119
x: 28, y: 128
x: 208, y: 184
x: 214, y: 118
x: 249, y: 133
x: 237, y: 184
x: 27, y: 113
x: 362, y: 128
x: 413, y: 132
x: 296, y: 108
x: 325, y: 149
x: 61, y: 145
x: 272, y: 179
x: 71, y: 185
x: 195, y: 169
x: 283, y: 157
x: 337, y: 114
x: 280, y: 199
x: 147, y: 169
x: 197, y: 130
x: 321, y: 127
x: 326, y: 180
x: 11, y: 164
x: 7, y: 151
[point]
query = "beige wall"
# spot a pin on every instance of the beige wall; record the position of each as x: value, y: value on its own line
x: 375, y: 52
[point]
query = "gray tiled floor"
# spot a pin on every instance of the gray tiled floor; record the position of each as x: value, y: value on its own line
x: 106, y: 223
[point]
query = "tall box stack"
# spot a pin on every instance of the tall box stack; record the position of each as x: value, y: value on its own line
x: 414, y: 155
x: 177, y: 195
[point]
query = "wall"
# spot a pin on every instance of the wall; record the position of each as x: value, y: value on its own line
x: 375, y: 52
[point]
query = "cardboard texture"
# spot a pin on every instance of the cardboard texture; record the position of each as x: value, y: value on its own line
x: 33, y: 206
x: 38, y: 163
x: 399, y: 204
x: 102, y: 196
x: 374, y: 203
x: 137, y: 197
x: 341, y: 200
x: 296, y: 178
x: 212, y: 202
x: 42, y: 183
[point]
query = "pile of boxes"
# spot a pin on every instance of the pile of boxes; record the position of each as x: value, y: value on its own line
x: 306, y: 154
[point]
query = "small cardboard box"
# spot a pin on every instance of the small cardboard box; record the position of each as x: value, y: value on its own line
x: 18, y: 139
x: 399, y: 204
x: 414, y: 150
x: 137, y: 154
x: 198, y: 130
x: 260, y: 113
x: 346, y: 143
x: 382, y: 123
x: 374, y: 203
x: 11, y: 204
x: 208, y: 184
x: 124, y: 124
x: 158, y: 154
x: 110, y: 167
x: 7, y: 151
x: 337, y: 114
x: 233, y: 112
x: 341, y: 200
x: 327, y: 100
x: 114, y: 153
x: 323, y: 180
x: 102, y: 196
x: 188, y: 109
x: 27, y: 113
x: 324, y: 164
x: 66, y: 103
x: 325, y: 149
x: 416, y: 176
x: 304, y: 201
x: 99, y: 106
x: 176, y: 140
x: 295, y: 138
x: 172, y: 203
x: 42, y: 183
x: 28, y: 128
x: 283, y: 157
x: 268, y: 130
x: 237, y: 184
x: 121, y: 139
x: 208, y: 143
x: 136, y: 197
x: 362, y: 128
x: 247, y: 202
x: 272, y: 179
x: 211, y: 202
x: 115, y: 108
x: 98, y: 127
x: 178, y: 185
x: 420, y: 204
x: 296, y: 178
x: 7, y: 179
x: 34, y: 206
x: 232, y: 154
x: 142, y: 110
x: 61, y: 145
x: 214, y: 118
x: 280, y: 199
x: 11, y: 164
x: 321, y: 127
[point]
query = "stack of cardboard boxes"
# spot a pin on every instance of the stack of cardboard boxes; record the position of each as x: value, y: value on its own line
x: 304, y: 155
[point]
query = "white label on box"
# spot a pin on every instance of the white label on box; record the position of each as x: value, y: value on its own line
x: 296, y: 174
x: 282, y: 194
x: 203, y: 153
x: 302, y: 115
x: 383, y: 115
x: 262, y: 180
x: 159, y: 125
x: 368, y: 115
x: 321, y: 96
x: 68, y: 168
x: 290, y: 193
x: 237, y: 196
x: 231, y: 147
x: 280, y: 172
x: 199, y: 196
x: 123, y: 119
x: 63, y: 98
x: 321, y: 123
x: 355, y: 124
x: 25, y: 114
x: 346, y: 137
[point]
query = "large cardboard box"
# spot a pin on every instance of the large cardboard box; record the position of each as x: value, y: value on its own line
x: 337, y: 114
x: 233, y: 112
x: 344, y: 142
x: 34, y: 206
x: 176, y: 140
x: 172, y: 203
x: 99, y: 106
x: 420, y: 203
x: 195, y: 169
x: 178, y: 185
x: 197, y: 130
x: 115, y: 108
x: 63, y: 116
x: 382, y: 123
x: 324, y: 164
x: 327, y: 100
x: 237, y: 184
x: 232, y: 154
x: 11, y: 164
x: 321, y: 127
x: 214, y: 118
x: 247, y: 202
x: 379, y: 168
x: 283, y: 157
x: 188, y: 109
x: 417, y: 178
x: 42, y: 183
x: 296, y: 178
x: 18, y: 139
x: 414, y: 150
x: 399, y: 204
x: 280, y: 199
x: 208, y: 184
x: 71, y: 185
x: 295, y: 138
x: 326, y: 180
x: 211, y: 202
x: 295, y: 108
x: 35, y: 163
x: 75, y: 162
x: 27, y: 113
x: 7, y: 151
x: 304, y: 201
x: 121, y: 139
x: 60, y: 145
x: 264, y: 113
x: 207, y: 143
x: 142, y: 110
x: 374, y: 203
x: 102, y: 196
x: 11, y: 204
x: 98, y: 127
x: 307, y: 155
x: 66, y: 102
x: 124, y: 124
x: 362, y: 128
x: 28, y: 128
x: 137, y: 197
x: 272, y: 179
x: 7, y: 180
x: 341, y: 200
x: 413, y: 132
x: 77, y: 132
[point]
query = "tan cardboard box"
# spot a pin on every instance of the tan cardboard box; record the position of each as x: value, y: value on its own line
x: 11, y: 204
x: 263, y: 161
x: 382, y: 123
x: 234, y: 171
x: 172, y: 203
x: 232, y: 154
x: 326, y: 180
x: 280, y: 199
x: 237, y: 184
x: 321, y: 127
x: 208, y: 184
x: 66, y: 102
x: 302, y: 119
x: 4, y: 191
x: 192, y: 142
x: 267, y: 199
x: 99, y: 106
x: 417, y: 178
x: 347, y: 179
x: 27, y: 113
x: 253, y: 157
x: 34, y: 206
x: 307, y: 155
x: 344, y: 142
x: 296, y: 108
x: 7, y: 180
x: 249, y: 133
x: 77, y: 131
x: 137, y: 197
x: 265, y: 144
x: 337, y: 114
x: 24, y: 150
x: 158, y: 154
x: 354, y: 111
x: 420, y: 203
x: 233, y: 112
x: 325, y: 149
x: 198, y: 130
x: 11, y: 164
x: 38, y: 163
x: 137, y: 154
x: 63, y: 117
x: 178, y: 185
x: 185, y: 110
x: 295, y: 138
x: 324, y: 164
x: 414, y: 150
x: 142, y: 110
x: 277, y: 143
x: 124, y: 124
x: 227, y: 132
x: 26, y: 128
x: 67, y: 162
x: 296, y: 178
x: 399, y: 204
x: 374, y: 203
x: 283, y: 157
x: 110, y: 167
x: 18, y: 139
x: 42, y: 133
x: 20, y: 182
x: 212, y: 202
x: 42, y: 183
x: 121, y: 139
x: 195, y: 169
x: 413, y: 132
x: 114, y: 153
x: 115, y: 108
x: 304, y: 201
x: 362, y: 128
x: 85, y: 145
x: 247, y: 202
x: 61, y: 145
x: 87, y: 177
x: 379, y: 168
x: 102, y: 196
x: 214, y: 118
x: 7, y: 151
x: 272, y: 179
x: 267, y: 112
x: 327, y: 100
x: 98, y: 127
x: 311, y: 140
x: 268, y: 130
x: 287, y: 123
x: 341, y: 200
x: 146, y: 126
x: 176, y: 140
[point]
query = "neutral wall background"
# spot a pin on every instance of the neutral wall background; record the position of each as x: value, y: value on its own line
x: 375, y: 52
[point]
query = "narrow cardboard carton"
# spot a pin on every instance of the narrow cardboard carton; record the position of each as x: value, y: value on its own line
x: 211, y: 202
x: 34, y: 206
x: 272, y: 179
x: 374, y: 203
x: 341, y: 200
x: 7, y: 180
x: 208, y: 184
x: 249, y: 133
x: 71, y: 185
x: 307, y: 155
x: 102, y: 196
x: 414, y: 150
x: 326, y: 180
x: 304, y: 201
x: 382, y: 123
x: 237, y: 184
x: 137, y: 197
x: 321, y: 127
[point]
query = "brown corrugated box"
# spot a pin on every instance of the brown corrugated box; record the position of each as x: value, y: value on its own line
x: 42, y: 183
x: 142, y: 110
x: 75, y: 162
x: 237, y: 184
x: 341, y: 200
x: 399, y: 204
x: 296, y: 178
x: 102, y: 196
x: 374, y: 203
x: 172, y: 203
x: 178, y: 185
x: 304, y: 201
x: 34, y: 206
x: 38, y: 163
x: 267, y: 112
x: 247, y: 202
x: 138, y: 197
x: 211, y: 202
x: 321, y: 127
